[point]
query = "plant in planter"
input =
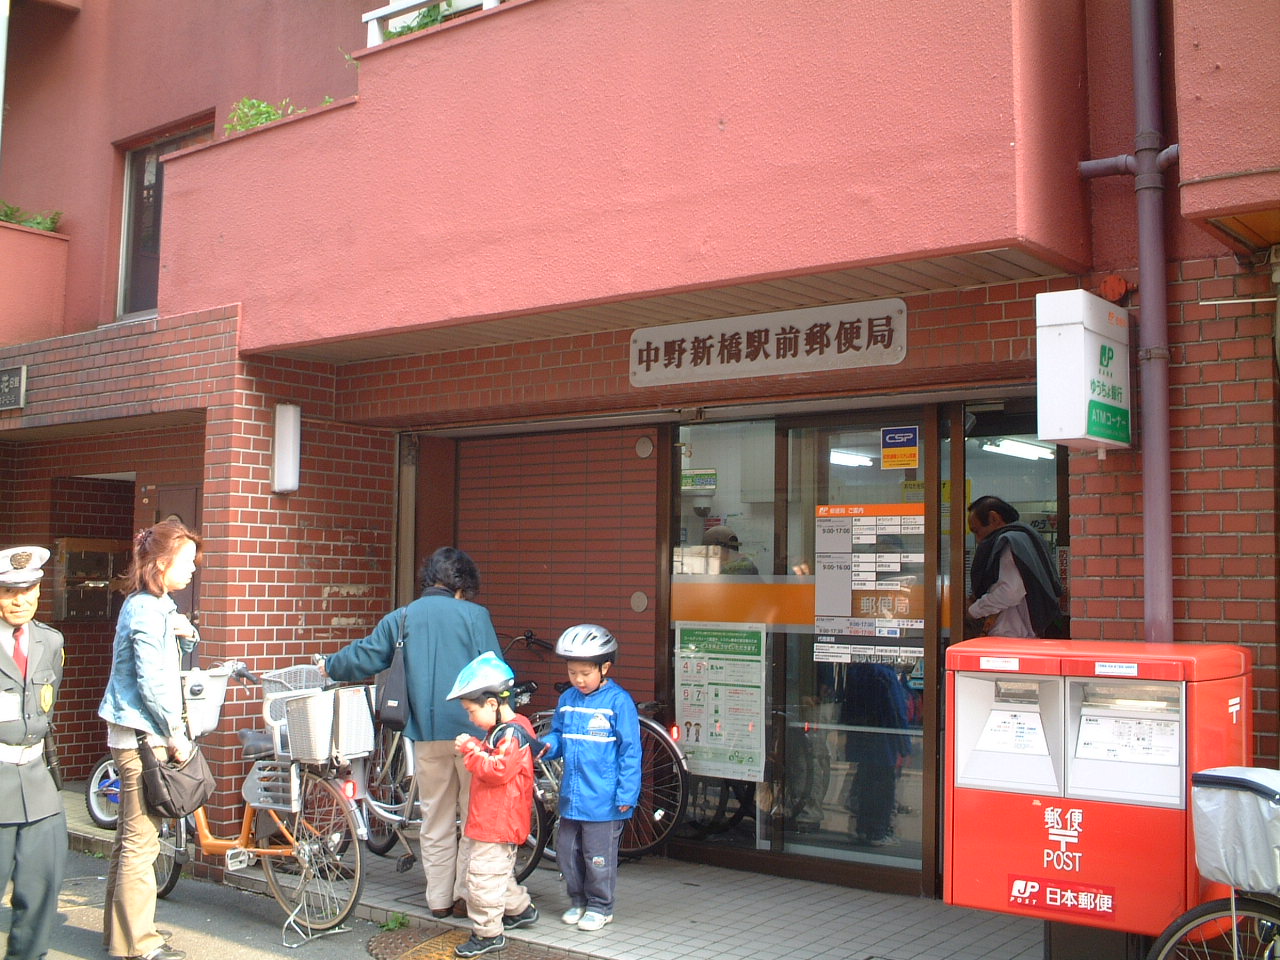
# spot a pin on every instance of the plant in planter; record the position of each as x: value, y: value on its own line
x: 247, y: 113
x: 38, y: 221
x: 427, y: 17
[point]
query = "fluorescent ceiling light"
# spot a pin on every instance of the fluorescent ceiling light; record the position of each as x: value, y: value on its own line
x: 847, y: 458
x: 1019, y: 448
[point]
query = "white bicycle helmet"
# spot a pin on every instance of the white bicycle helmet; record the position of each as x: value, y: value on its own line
x: 588, y: 642
x: 486, y: 675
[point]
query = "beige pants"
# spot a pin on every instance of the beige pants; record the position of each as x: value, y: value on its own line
x: 129, y: 913
x: 491, y: 887
x: 444, y: 789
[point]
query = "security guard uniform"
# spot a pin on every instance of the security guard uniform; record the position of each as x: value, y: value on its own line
x: 33, y: 826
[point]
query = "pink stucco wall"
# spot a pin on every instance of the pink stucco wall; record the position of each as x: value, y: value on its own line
x: 33, y: 283
x: 553, y: 152
x: 1226, y: 85
x: 81, y: 85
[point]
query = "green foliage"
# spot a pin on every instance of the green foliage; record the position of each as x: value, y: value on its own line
x: 396, y: 921
x: 428, y: 17
x: 248, y: 113
x: 38, y: 221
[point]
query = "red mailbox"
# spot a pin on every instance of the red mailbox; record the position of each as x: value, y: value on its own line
x: 1068, y: 777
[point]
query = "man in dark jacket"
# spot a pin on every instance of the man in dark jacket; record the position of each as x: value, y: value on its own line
x: 33, y: 826
x: 1013, y: 578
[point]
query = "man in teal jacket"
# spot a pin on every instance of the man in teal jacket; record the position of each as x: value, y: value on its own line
x: 443, y: 631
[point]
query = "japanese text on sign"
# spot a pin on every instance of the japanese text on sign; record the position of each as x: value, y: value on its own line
x: 13, y: 388
x: 807, y: 340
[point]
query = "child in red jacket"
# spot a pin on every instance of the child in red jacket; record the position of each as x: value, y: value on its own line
x: 498, y: 816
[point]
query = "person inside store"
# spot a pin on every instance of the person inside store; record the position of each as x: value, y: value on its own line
x: 33, y: 825
x: 144, y: 697
x: 732, y: 563
x: 1016, y: 591
x: 443, y: 630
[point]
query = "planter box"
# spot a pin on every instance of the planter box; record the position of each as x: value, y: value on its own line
x: 33, y: 285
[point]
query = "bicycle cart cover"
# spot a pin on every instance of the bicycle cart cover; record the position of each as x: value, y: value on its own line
x: 203, y: 692
x: 1236, y: 814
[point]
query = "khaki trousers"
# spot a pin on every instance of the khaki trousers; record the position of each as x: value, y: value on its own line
x: 129, y: 913
x: 444, y: 790
x: 491, y: 886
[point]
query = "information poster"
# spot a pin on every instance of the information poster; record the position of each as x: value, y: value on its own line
x: 869, y: 574
x: 720, y: 698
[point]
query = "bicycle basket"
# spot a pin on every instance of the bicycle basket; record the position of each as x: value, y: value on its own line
x: 278, y: 687
x: 1236, y: 816
x: 314, y: 737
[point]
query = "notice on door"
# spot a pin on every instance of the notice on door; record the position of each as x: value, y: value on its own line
x: 720, y: 698
x: 869, y: 570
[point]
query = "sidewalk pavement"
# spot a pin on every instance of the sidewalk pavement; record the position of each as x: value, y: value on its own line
x: 673, y: 910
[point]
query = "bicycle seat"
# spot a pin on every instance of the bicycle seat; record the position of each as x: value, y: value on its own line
x: 256, y: 744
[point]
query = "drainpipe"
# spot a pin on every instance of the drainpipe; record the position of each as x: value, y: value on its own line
x: 1147, y: 165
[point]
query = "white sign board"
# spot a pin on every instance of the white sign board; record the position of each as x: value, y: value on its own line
x: 808, y: 340
x: 1082, y: 370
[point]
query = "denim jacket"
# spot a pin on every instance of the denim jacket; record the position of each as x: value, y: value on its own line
x: 145, y: 688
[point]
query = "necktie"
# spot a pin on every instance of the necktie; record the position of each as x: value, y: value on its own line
x: 20, y: 650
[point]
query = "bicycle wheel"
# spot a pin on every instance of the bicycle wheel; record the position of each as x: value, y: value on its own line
x: 1207, y: 932
x: 102, y: 793
x: 388, y: 787
x: 320, y: 884
x: 717, y: 805
x: 173, y: 854
x: 664, y: 789
x: 530, y: 852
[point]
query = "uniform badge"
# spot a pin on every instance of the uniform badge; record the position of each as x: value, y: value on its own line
x: 46, y: 698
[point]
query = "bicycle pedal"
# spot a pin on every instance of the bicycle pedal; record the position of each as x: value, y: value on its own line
x: 238, y: 858
x: 405, y: 862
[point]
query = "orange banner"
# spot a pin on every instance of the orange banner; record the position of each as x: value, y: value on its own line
x: 719, y: 602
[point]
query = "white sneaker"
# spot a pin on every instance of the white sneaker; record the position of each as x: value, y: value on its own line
x: 573, y: 915
x: 593, y: 921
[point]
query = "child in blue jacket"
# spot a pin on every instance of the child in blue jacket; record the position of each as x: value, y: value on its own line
x: 597, y: 731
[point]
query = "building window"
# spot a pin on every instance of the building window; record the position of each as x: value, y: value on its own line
x: 144, y: 186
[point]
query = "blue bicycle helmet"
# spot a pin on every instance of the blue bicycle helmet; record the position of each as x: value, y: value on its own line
x: 486, y: 675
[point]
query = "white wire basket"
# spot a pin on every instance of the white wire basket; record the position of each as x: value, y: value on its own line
x: 278, y: 687
x: 326, y: 724
x: 1236, y: 816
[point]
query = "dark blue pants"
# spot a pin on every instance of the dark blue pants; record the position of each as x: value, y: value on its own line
x: 33, y: 855
x: 587, y: 854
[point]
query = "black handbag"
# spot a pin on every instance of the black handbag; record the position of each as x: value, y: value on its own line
x: 175, y: 789
x: 393, y: 697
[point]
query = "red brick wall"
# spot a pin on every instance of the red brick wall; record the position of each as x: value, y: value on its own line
x: 1223, y: 418
x: 57, y: 500
x: 564, y: 528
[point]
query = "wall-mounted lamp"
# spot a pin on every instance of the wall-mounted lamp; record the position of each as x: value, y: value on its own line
x: 286, y: 448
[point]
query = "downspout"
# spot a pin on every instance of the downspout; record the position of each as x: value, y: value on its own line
x: 1147, y: 165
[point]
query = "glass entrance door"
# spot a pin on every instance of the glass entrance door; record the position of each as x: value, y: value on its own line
x: 853, y: 685
x: 812, y: 537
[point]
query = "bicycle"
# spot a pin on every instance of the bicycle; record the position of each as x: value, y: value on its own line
x: 297, y: 821
x: 102, y: 798
x: 1231, y: 803
x: 385, y: 785
x: 664, y: 779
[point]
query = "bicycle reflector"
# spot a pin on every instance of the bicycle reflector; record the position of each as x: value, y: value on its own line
x: 349, y: 788
x: 674, y: 730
